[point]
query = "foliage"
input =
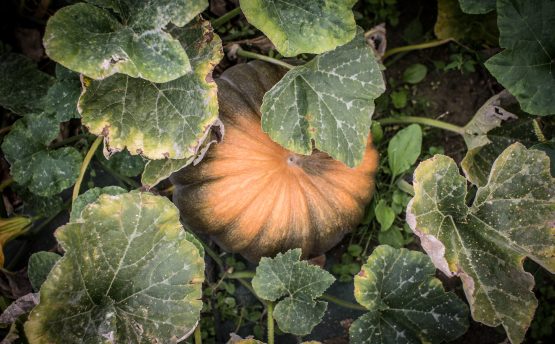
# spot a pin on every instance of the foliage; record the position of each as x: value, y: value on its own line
x: 477, y: 6
x: 406, y: 303
x: 129, y: 273
x: 404, y: 148
x: 9, y: 229
x: 453, y: 23
x: 510, y: 218
x: 295, y: 284
x: 40, y: 265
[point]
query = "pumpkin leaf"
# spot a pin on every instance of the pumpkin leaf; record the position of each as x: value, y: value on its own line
x: 328, y: 100
x: 121, y: 36
x: 23, y: 85
x: 549, y: 149
x: 510, y: 218
x: 406, y: 303
x: 159, y: 121
x: 123, y: 163
x: 37, y: 205
x: 452, y: 22
x: 296, y: 284
x: 297, y: 26
x: 404, y: 149
x: 525, y: 66
x: 40, y: 265
x: 91, y: 196
x: 44, y: 171
x: 477, y: 6
x: 495, y: 126
x: 129, y: 274
x: 62, y: 96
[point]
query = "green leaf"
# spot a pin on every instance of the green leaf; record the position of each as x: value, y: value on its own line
x: 91, y: 196
x: 37, y: 205
x: 329, y: 100
x: 124, y: 163
x: 23, y: 86
x: 453, y: 23
x: 415, y: 73
x: 63, y: 95
x: 40, y: 265
x: 526, y: 65
x: 495, y: 126
x: 129, y: 275
x: 44, y: 171
x: 385, y: 215
x: 121, y: 36
x: 393, y: 237
x: 406, y: 303
x: 549, y: 149
x: 296, y: 284
x: 159, y: 121
x: 297, y: 26
x: 510, y: 218
x: 477, y: 6
x: 404, y: 149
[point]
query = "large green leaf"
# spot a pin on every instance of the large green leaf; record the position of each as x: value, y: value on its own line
x: 91, y: 196
x: 406, y: 303
x: 510, y: 218
x: 298, y: 26
x: 44, y: 171
x: 129, y: 275
x: 63, y: 95
x: 23, y: 86
x: 495, y: 126
x: 121, y: 36
x: 477, y: 6
x: 296, y: 284
x: 329, y: 100
x: 159, y: 121
x: 526, y: 65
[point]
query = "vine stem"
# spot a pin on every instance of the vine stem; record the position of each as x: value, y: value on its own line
x: 270, y: 315
x: 342, y: 303
x: 422, y: 120
x: 84, y: 166
x: 198, y: 334
x: 404, y: 186
x: 6, y: 183
x: 250, y: 54
x: 216, y: 23
x: 419, y: 46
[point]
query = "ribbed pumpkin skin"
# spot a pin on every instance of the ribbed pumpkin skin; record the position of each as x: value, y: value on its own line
x: 256, y: 198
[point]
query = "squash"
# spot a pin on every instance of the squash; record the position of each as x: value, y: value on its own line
x: 255, y: 197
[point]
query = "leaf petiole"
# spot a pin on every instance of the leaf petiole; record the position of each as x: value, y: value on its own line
x: 420, y: 46
x: 84, y: 166
x: 249, y: 54
x: 216, y: 23
x: 270, y: 316
x: 422, y: 120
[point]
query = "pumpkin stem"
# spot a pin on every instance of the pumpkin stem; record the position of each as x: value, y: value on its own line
x: 249, y: 54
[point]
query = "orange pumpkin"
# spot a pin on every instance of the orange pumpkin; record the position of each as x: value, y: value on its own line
x: 257, y: 198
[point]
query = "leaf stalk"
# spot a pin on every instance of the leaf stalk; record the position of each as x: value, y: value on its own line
x: 250, y: 54
x: 420, y: 46
x: 422, y: 120
x: 84, y: 166
x: 216, y: 23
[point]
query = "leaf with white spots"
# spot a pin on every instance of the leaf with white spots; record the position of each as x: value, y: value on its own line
x: 102, y: 38
x: 43, y: 170
x: 406, y: 303
x: 510, y: 218
x: 329, y: 100
x: 159, y: 121
x: 90, y: 196
x: 62, y: 97
x: 130, y: 274
x: 294, y: 284
x: 299, y: 26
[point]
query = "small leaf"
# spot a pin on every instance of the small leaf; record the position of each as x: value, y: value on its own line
x: 124, y: 163
x: 415, y: 73
x: 299, y: 284
x: 510, y: 218
x: 404, y: 149
x: 23, y: 85
x: 526, y: 65
x: 392, y: 237
x: 40, y: 265
x: 477, y: 6
x: 129, y: 274
x: 62, y: 97
x: 406, y: 303
x: 297, y: 26
x: 159, y: 121
x: 329, y: 100
x: 385, y: 215
x: 91, y: 196
x: 130, y: 39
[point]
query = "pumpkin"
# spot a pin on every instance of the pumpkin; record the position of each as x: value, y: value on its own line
x: 255, y: 197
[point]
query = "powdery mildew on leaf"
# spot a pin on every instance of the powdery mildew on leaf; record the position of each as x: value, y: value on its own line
x: 91, y: 196
x: 329, y: 100
x: 406, y: 303
x: 159, y: 121
x: 510, y: 218
x: 526, y: 65
x: 62, y: 97
x: 477, y: 6
x: 296, y: 284
x: 298, y: 26
x: 129, y: 275
x: 101, y: 38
